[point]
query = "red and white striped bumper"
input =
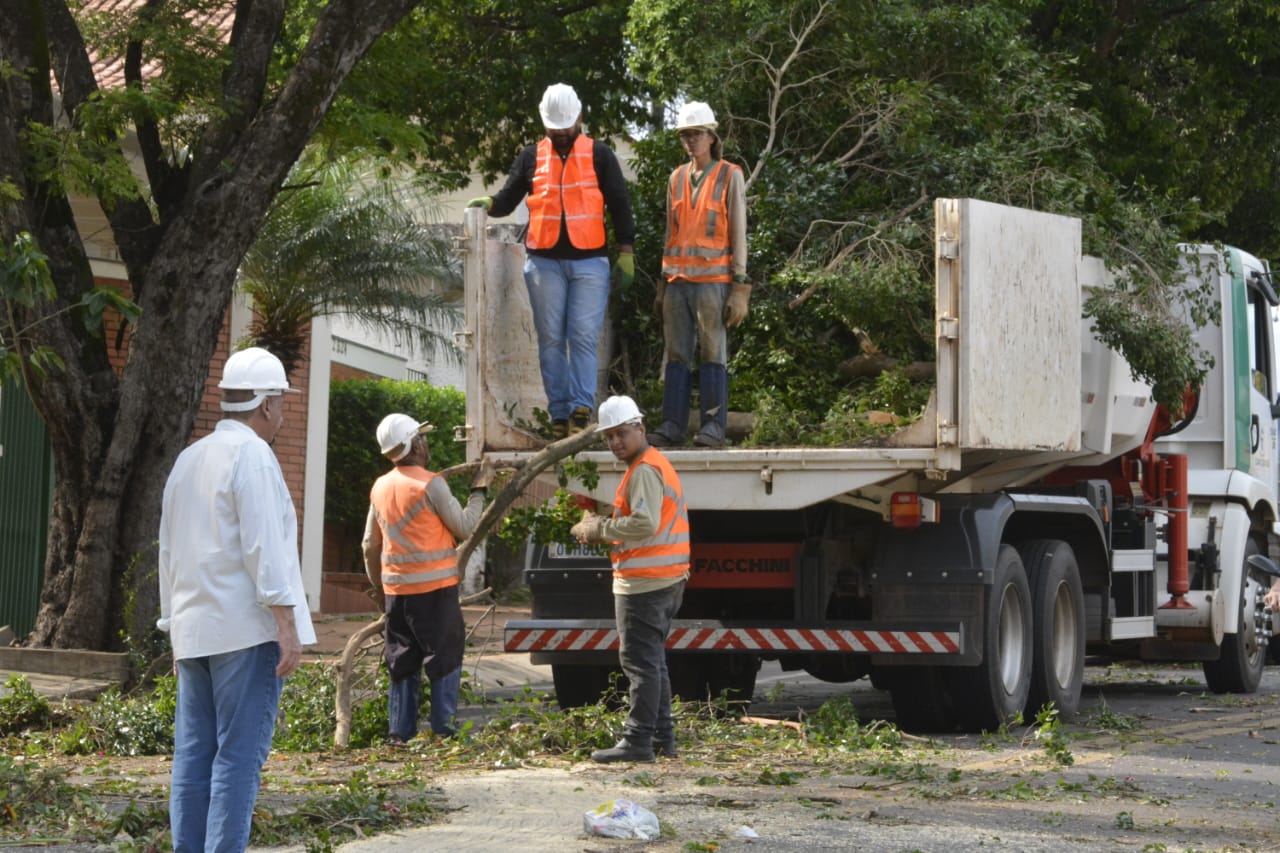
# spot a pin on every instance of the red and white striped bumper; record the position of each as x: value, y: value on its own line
x: 580, y: 635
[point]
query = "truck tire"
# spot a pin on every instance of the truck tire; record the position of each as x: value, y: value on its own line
x: 921, y: 698
x: 1242, y: 655
x: 1057, y: 626
x: 578, y: 686
x: 723, y: 683
x: 994, y: 693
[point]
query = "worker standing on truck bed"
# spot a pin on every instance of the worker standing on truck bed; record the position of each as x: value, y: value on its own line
x: 703, y: 290
x: 570, y: 180
x: 410, y: 542
x: 649, y: 533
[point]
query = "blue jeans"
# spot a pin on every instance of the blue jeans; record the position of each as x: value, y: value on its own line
x: 643, y: 623
x: 693, y: 313
x: 225, y: 718
x: 402, y: 704
x: 568, y: 299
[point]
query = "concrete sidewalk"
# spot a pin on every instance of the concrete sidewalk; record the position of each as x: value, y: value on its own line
x: 74, y: 674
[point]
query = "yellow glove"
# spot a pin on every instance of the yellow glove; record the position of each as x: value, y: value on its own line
x: 625, y: 268
x: 659, y: 296
x: 483, y: 201
x: 735, y: 307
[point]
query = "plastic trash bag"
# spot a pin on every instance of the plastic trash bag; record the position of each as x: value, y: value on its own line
x: 621, y: 819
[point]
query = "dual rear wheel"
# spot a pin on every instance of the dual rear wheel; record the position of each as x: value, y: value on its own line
x: 1033, y: 645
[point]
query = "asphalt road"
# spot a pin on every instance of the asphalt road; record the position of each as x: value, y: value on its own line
x: 1158, y: 764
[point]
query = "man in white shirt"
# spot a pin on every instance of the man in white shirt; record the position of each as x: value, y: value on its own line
x: 232, y: 601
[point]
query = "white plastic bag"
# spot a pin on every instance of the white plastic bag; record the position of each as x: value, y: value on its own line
x: 621, y: 819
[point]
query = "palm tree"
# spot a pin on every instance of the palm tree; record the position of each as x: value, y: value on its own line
x: 341, y: 242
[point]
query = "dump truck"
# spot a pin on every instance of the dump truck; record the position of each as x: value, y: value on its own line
x: 1043, y: 510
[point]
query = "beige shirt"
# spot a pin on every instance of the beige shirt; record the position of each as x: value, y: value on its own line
x: 644, y: 495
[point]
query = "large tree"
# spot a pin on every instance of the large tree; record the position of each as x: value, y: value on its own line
x: 222, y: 96
x: 115, y: 438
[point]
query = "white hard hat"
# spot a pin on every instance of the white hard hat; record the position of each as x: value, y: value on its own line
x: 617, y: 411
x: 397, y: 432
x: 560, y: 107
x: 253, y: 369
x: 695, y: 114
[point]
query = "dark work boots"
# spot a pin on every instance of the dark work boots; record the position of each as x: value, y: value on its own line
x: 623, y: 750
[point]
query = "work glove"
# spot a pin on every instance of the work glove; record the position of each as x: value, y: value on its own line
x: 483, y: 201
x: 658, y: 297
x: 484, y: 474
x: 625, y: 268
x: 587, y: 530
x: 735, y: 307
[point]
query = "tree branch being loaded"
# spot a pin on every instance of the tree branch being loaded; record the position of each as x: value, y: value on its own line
x: 526, y: 471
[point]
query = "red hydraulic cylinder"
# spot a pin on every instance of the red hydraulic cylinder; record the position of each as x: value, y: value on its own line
x: 1176, y: 501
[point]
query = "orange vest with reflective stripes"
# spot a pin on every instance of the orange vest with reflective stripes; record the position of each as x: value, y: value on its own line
x: 419, y: 553
x: 567, y: 188
x: 698, y: 246
x: 665, y: 554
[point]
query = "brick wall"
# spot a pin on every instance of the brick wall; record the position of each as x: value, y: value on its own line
x: 290, y: 444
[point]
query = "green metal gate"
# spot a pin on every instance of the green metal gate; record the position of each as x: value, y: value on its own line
x: 26, y: 488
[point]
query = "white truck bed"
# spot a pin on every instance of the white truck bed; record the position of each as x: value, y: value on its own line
x: 1022, y: 386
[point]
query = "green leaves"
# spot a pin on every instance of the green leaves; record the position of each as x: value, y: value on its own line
x: 25, y: 283
x: 338, y: 240
x: 25, y: 273
x: 354, y: 461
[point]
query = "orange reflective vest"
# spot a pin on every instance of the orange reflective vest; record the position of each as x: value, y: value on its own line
x: 665, y: 554
x: 419, y: 553
x: 566, y: 188
x: 698, y: 246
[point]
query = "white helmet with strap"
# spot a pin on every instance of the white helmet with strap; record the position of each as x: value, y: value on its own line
x: 257, y: 370
x: 617, y: 411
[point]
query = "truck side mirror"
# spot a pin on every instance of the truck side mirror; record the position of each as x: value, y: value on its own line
x: 1275, y: 409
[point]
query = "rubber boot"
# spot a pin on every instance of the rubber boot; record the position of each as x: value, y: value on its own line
x: 675, y: 407
x: 713, y: 393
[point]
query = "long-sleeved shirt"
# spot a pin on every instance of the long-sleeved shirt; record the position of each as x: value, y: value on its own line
x: 440, y: 500
x: 613, y: 186
x: 644, y: 495
x: 228, y: 547
x: 736, y: 202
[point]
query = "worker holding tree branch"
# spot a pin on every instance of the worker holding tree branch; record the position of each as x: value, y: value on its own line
x: 570, y: 181
x: 703, y: 290
x: 649, y: 534
x: 233, y: 604
x: 410, y: 554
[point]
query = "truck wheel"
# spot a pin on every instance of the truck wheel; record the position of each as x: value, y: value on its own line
x: 733, y: 679
x: 1057, y: 633
x: 994, y: 692
x: 723, y: 683
x: 1242, y: 655
x: 578, y: 685
x: 921, y: 698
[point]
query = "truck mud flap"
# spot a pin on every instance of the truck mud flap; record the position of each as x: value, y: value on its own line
x: 595, y: 635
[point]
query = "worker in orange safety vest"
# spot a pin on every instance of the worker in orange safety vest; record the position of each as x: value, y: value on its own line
x: 703, y: 290
x: 410, y: 555
x: 649, y: 534
x: 570, y: 180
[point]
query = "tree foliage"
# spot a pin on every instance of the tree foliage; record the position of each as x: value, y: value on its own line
x: 337, y: 241
x: 850, y: 118
x: 355, y: 408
